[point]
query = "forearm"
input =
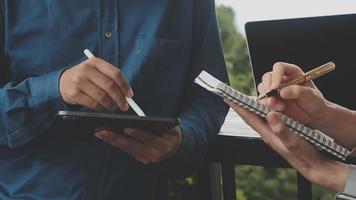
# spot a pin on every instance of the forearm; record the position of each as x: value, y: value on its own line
x: 340, y: 124
x: 333, y: 175
x: 28, y: 108
x: 200, y: 124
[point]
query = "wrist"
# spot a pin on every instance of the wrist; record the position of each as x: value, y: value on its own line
x: 326, y: 116
x: 336, y: 175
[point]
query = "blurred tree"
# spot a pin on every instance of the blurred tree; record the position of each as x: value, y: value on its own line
x: 236, y: 52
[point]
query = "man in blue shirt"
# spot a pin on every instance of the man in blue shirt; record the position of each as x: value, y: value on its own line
x: 155, y: 48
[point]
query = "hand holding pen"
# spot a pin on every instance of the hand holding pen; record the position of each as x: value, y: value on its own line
x: 302, y: 79
x: 95, y: 84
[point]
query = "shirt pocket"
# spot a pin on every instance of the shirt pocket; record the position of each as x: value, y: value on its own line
x: 160, y: 78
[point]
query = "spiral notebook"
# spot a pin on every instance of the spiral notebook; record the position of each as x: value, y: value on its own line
x: 314, y: 136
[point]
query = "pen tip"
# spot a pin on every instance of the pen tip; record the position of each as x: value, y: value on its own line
x: 262, y: 97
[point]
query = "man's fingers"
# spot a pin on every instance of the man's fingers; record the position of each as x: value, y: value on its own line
x: 282, y: 70
x: 115, y: 74
x: 266, y: 80
x: 309, y: 99
x: 293, y: 147
x: 133, y: 147
x: 110, y: 87
x: 140, y: 151
x: 97, y: 94
x: 298, y: 92
x: 276, y: 124
x: 276, y: 104
x: 85, y: 100
x: 293, y: 142
x: 251, y: 119
x: 140, y: 135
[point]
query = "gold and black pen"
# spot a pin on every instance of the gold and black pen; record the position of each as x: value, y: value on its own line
x: 304, y: 78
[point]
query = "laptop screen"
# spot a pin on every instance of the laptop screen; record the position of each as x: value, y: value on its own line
x: 308, y: 43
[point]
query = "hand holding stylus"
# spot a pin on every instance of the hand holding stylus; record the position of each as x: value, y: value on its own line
x: 129, y: 99
x: 95, y: 84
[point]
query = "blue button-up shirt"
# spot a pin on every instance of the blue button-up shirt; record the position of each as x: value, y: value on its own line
x: 160, y: 46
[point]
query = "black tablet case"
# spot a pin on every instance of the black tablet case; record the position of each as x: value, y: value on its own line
x: 115, y: 122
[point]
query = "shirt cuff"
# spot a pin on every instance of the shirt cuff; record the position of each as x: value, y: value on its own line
x: 44, y: 101
x: 188, y: 143
x: 45, y: 89
x: 350, y: 187
x: 186, y: 160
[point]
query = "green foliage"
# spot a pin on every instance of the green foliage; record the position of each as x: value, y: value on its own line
x: 320, y: 193
x: 253, y: 183
x: 258, y: 183
x: 235, y: 51
x: 183, y: 189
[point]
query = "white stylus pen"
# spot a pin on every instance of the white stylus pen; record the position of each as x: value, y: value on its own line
x: 129, y: 100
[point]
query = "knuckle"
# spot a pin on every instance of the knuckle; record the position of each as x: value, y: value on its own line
x: 298, y: 91
x: 277, y: 65
x: 78, y: 78
x: 266, y: 141
x: 261, y: 88
x: 296, y: 67
x: 117, y: 74
x: 278, y: 130
x: 94, y: 105
x: 101, y: 95
x: 92, y: 61
x: 74, y: 94
x: 110, y: 84
x: 85, y: 66
x: 121, y: 100
x: 266, y: 75
x: 292, y: 144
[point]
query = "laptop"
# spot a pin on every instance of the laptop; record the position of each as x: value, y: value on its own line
x: 308, y: 43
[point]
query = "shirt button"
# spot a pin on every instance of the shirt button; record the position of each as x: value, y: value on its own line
x: 108, y: 35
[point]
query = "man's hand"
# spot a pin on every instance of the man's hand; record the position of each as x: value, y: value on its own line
x: 145, y: 147
x: 304, y: 103
x: 95, y: 84
x: 310, y: 162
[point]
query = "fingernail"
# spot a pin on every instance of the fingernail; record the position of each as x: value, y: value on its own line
x: 126, y: 107
x: 98, y: 135
x: 131, y: 94
x: 273, y: 118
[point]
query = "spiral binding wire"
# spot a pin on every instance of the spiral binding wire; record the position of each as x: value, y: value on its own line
x: 315, y: 137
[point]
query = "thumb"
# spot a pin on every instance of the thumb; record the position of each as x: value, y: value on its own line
x: 310, y: 99
x: 291, y: 141
x: 276, y: 124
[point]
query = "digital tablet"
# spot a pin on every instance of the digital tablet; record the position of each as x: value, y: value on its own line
x: 115, y: 122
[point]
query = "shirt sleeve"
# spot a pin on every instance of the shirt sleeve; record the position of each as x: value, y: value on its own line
x: 350, y: 186
x: 203, y: 113
x: 28, y: 108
